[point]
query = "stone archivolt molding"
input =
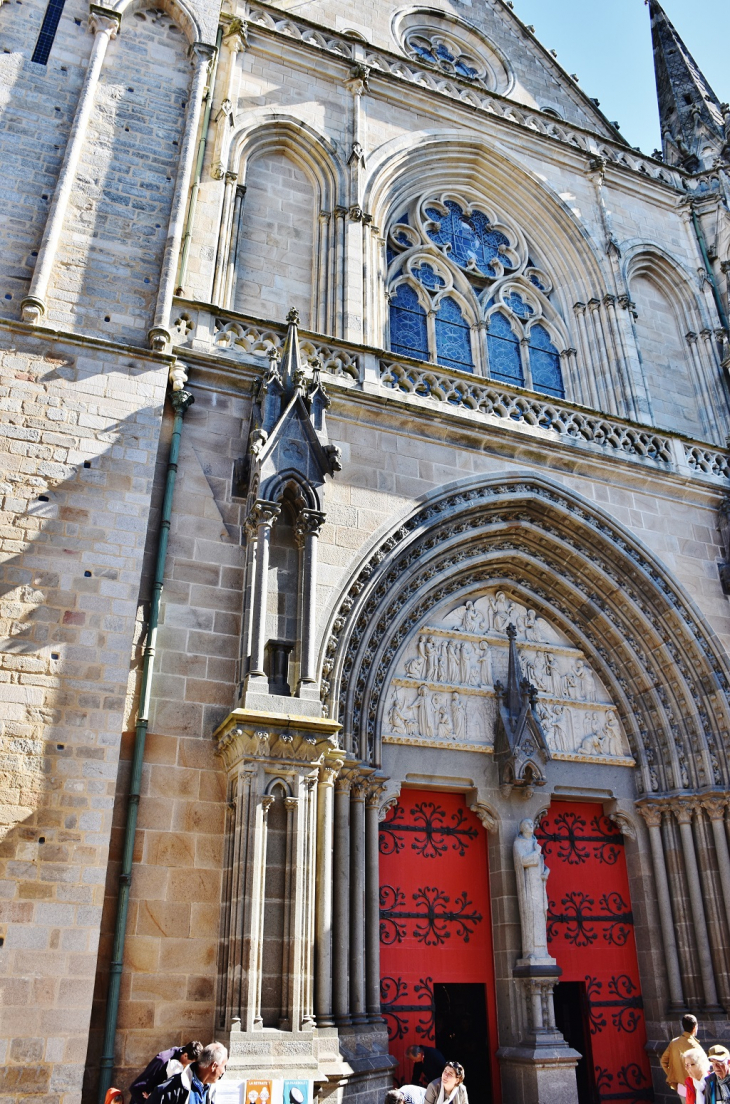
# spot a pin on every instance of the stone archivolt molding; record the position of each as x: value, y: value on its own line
x: 383, y: 63
x: 569, y: 562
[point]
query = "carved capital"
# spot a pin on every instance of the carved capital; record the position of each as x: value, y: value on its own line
x: 201, y: 53
x: 309, y: 523
x: 32, y: 310
x: 291, y: 802
x: 264, y: 512
x: 652, y: 814
x: 682, y: 810
x: 375, y: 788
x: 266, y: 802
x: 714, y: 806
x: 103, y: 19
x: 579, y: 308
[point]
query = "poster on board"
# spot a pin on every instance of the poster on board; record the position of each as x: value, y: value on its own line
x: 258, y: 1091
x: 297, y: 1092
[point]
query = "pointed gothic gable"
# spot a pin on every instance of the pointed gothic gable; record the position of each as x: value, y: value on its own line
x: 287, y: 438
x: 520, y: 748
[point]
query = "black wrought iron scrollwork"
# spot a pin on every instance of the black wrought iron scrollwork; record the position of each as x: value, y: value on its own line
x: 579, y: 918
x: 432, y: 833
x: 433, y: 916
x: 625, y: 1002
x: 631, y: 1082
x: 576, y: 843
x: 395, y: 990
x: 391, y: 929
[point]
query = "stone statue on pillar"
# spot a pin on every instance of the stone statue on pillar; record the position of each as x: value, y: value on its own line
x: 532, y: 875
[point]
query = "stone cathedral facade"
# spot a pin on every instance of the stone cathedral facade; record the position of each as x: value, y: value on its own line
x: 365, y: 494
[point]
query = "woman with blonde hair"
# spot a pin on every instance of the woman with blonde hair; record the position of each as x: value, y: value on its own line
x: 697, y: 1066
x: 449, y: 1087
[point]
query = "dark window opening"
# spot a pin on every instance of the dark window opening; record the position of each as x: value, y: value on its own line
x: 47, y: 33
x: 571, y: 1017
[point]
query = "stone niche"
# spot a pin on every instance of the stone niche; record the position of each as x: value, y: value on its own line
x: 441, y: 689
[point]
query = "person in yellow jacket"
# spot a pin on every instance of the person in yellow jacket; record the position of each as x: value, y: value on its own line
x: 672, y: 1060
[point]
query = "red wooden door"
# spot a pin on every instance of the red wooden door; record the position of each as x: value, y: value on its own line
x: 591, y: 934
x: 435, y: 922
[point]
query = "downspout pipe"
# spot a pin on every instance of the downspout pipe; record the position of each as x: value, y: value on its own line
x: 708, y: 268
x: 187, y: 237
x: 180, y: 401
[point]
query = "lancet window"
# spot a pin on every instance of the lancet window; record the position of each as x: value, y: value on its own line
x: 465, y: 294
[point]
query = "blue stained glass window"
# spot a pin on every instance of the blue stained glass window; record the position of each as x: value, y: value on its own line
x: 468, y: 238
x: 425, y: 275
x: 443, y: 53
x: 465, y: 70
x: 424, y: 53
x: 503, y: 351
x: 408, y: 329
x: 47, y: 33
x: 547, y: 376
x: 517, y: 304
x: 453, y: 337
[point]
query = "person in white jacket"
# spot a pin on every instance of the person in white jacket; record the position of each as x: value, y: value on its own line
x: 449, y: 1088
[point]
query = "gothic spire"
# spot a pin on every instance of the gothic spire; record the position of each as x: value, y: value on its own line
x: 690, y: 114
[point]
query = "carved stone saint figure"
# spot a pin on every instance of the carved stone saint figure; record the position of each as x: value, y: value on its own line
x: 472, y: 620
x: 532, y: 875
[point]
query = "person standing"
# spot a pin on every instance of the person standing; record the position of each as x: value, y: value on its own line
x: 672, y: 1059
x: 697, y: 1066
x: 428, y: 1063
x: 195, y: 1085
x: 449, y: 1088
x: 717, y: 1084
x: 163, y: 1066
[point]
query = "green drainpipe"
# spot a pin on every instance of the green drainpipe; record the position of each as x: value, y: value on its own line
x: 708, y: 268
x: 180, y: 400
x: 198, y: 168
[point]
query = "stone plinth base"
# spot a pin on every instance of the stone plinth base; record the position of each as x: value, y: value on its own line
x: 543, y: 1073
x: 347, y: 1065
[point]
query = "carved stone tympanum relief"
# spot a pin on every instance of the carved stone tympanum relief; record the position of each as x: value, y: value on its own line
x: 441, y: 692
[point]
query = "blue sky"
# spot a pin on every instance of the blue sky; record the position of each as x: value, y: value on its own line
x: 608, y: 44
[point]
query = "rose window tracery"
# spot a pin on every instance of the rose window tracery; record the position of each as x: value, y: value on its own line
x: 445, y: 53
x: 464, y: 293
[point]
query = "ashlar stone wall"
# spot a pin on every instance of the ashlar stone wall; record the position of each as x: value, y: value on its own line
x: 78, y: 435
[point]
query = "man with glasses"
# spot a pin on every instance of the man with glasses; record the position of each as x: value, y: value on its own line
x: 717, y: 1084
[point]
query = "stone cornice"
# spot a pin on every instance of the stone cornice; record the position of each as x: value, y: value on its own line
x: 253, y: 735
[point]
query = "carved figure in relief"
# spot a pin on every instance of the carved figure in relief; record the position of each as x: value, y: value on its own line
x: 458, y: 717
x: 485, y: 663
x: 540, y: 670
x: 472, y: 620
x: 452, y: 660
x: 500, y: 612
x: 442, y: 662
x: 465, y: 662
x: 444, y: 729
x: 555, y: 723
x: 431, y: 649
x: 527, y: 625
x: 592, y: 742
x: 612, y: 734
x: 416, y: 668
x: 532, y: 875
x: 398, y: 714
x: 584, y: 681
x: 422, y: 709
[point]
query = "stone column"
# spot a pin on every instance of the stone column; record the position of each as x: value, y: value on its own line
x: 652, y: 814
x: 224, y: 238
x: 159, y: 336
x: 341, y: 909
x: 289, y: 942
x: 357, y: 901
x: 309, y: 859
x: 105, y: 24
x: 372, y: 902
x: 308, y: 528
x: 715, y: 809
x: 323, y: 913
x: 264, y: 515
x: 683, y: 813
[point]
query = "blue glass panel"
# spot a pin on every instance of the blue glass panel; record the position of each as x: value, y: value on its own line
x: 443, y: 53
x: 545, y: 363
x: 517, y: 304
x: 465, y: 70
x: 424, y: 53
x: 425, y: 275
x: 47, y: 33
x: 503, y: 351
x: 389, y: 255
x: 453, y: 340
x: 408, y: 330
x: 468, y: 238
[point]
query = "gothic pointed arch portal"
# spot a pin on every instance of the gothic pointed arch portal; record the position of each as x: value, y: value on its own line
x: 567, y: 560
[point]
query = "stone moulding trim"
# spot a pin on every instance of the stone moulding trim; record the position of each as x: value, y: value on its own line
x: 676, y: 715
x: 400, y: 68
x: 248, y: 734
